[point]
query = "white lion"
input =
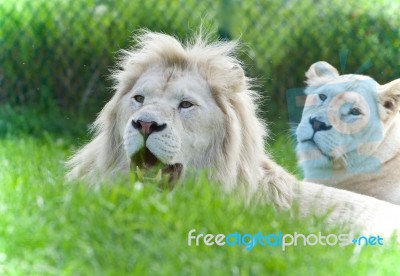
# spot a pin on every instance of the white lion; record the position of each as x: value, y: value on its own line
x: 189, y: 106
x: 349, y: 134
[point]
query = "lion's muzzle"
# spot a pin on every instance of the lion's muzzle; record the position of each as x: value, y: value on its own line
x: 152, y: 145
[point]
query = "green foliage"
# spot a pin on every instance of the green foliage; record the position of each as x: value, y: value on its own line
x: 39, y: 121
x: 285, y: 38
x: 59, y: 52
x: 50, y: 227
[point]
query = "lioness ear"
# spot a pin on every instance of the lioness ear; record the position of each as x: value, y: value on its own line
x: 320, y: 73
x: 389, y: 98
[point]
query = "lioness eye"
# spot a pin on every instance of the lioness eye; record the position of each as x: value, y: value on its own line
x: 355, y: 111
x: 322, y: 97
x: 185, y: 104
x: 139, y: 98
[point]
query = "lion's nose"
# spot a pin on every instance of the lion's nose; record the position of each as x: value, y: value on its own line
x: 146, y: 128
x: 317, y: 125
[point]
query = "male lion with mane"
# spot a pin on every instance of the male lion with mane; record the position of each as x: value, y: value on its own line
x: 190, y: 106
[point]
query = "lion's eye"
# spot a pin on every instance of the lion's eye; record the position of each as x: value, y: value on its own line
x: 139, y: 98
x: 355, y: 111
x: 185, y: 104
x: 322, y: 97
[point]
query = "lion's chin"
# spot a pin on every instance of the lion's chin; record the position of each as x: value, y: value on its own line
x: 147, y: 161
x: 313, y: 144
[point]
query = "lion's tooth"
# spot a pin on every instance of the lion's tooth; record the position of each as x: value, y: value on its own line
x: 159, y: 175
x: 139, y: 173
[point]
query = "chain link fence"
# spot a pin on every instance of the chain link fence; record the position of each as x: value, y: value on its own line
x: 58, y: 53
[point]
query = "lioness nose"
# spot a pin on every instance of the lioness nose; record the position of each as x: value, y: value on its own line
x: 146, y: 128
x: 317, y: 125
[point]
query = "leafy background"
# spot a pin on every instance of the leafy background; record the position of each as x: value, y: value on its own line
x: 56, y: 54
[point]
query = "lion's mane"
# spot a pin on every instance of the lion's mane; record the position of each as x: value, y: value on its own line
x: 241, y: 160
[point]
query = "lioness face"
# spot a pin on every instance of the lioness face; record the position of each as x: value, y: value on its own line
x: 339, y: 118
x: 170, y: 118
x: 345, y: 119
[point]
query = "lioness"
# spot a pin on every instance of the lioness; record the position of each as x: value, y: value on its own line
x: 190, y: 106
x: 349, y: 134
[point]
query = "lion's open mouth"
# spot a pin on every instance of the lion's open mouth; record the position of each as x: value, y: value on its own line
x: 147, y: 161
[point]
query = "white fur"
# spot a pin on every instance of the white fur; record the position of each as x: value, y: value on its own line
x: 220, y: 133
x: 360, y: 153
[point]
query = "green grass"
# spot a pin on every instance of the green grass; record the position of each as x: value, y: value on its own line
x: 50, y: 227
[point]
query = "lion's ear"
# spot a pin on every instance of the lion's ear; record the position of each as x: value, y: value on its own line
x: 238, y: 78
x: 389, y: 98
x: 226, y: 79
x: 320, y: 73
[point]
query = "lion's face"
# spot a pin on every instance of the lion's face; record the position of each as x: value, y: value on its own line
x: 177, y: 106
x: 345, y: 119
x: 339, y: 117
x: 170, y: 116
